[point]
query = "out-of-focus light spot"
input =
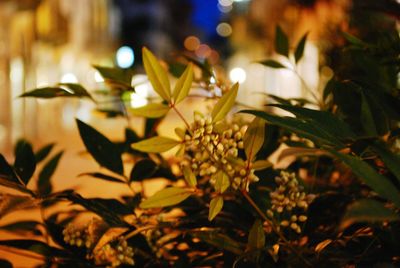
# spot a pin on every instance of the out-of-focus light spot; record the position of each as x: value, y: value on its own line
x: 125, y: 57
x: 327, y: 72
x: 191, y: 43
x: 224, y: 9
x: 97, y: 77
x: 224, y: 29
x: 137, y: 100
x: 69, y: 78
x: 212, y: 80
x: 241, y: 0
x: 225, y: 3
x: 237, y: 75
x: 203, y: 51
x: 214, y: 57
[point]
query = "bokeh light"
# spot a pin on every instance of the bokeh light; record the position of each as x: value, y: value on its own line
x: 125, y: 57
x: 69, y: 78
x: 191, y: 43
x: 224, y: 29
x: 237, y: 75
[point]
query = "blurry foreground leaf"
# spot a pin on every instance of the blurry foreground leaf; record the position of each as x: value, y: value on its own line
x: 152, y: 110
x: 256, y: 238
x: 155, y: 145
x: 43, y: 183
x: 25, y: 162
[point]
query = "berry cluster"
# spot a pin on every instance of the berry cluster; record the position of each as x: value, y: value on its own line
x: 79, y: 237
x: 289, y: 197
x: 210, y: 147
x: 114, y: 254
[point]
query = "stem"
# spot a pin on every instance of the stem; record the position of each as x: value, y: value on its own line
x: 181, y: 116
x: 304, y: 84
x: 139, y: 230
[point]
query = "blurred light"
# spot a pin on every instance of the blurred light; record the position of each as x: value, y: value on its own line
x: 137, y: 100
x: 241, y: 0
x: 212, y: 80
x: 97, y: 77
x: 191, y: 43
x: 125, y: 57
x: 214, y: 57
x: 237, y: 75
x: 225, y: 3
x: 224, y: 9
x: 69, y: 78
x: 203, y: 51
x: 224, y: 29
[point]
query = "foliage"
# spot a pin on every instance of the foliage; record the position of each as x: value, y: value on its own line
x: 336, y: 204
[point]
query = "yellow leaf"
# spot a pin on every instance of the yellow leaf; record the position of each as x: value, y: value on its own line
x: 180, y: 132
x: 253, y: 139
x: 256, y: 238
x: 221, y: 182
x: 225, y: 104
x: 152, y: 110
x: 189, y: 176
x: 216, y: 205
x: 155, y: 145
x: 183, y: 85
x: 261, y: 164
x: 166, y: 197
x: 157, y: 75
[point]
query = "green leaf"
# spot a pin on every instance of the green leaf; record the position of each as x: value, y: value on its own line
x: 166, y: 197
x: 190, y: 178
x: 105, y: 152
x: 298, y: 54
x: 367, y: 210
x: 34, y: 246
x: 108, y: 214
x: 256, y: 238
x: 119, y: 78
x: 273, y: 64
x: 183, y: 85
x: 151, y: 110
x: 143, y: 169
x: 6, y: 171
x: 77, y: 90
x: 43, y: 152
x: 225, y: 104
x: 102, y: 176
x: 377, y: 182
x: 323, y: 120
x: 354, y: 40
x: 220, y: 241
x: 43, y: 183
x: 367, y: 118
x: 302, y: 128
x: 221, y: 181
x: 253, y: 139
x: 157, y: 75
x: 391, y: 159
x: 261, y: 164
x: 281, y: 42
x: 25, y: 162
x: 216, y: 205
x: 155, y: 145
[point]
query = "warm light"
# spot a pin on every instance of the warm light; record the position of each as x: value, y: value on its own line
x: 203, y: 51
x: 237, y: 75
x: 191, y: 43
x: 224, y: 9
x: 69, y: 78
x: 97, y: 77
x: 137, y: 100
x: 125, y: 57
x: 224, y: 29
x: 225, y: 3
x: 240, y: 0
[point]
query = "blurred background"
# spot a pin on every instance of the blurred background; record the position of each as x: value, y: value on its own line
x: 43, y: 42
